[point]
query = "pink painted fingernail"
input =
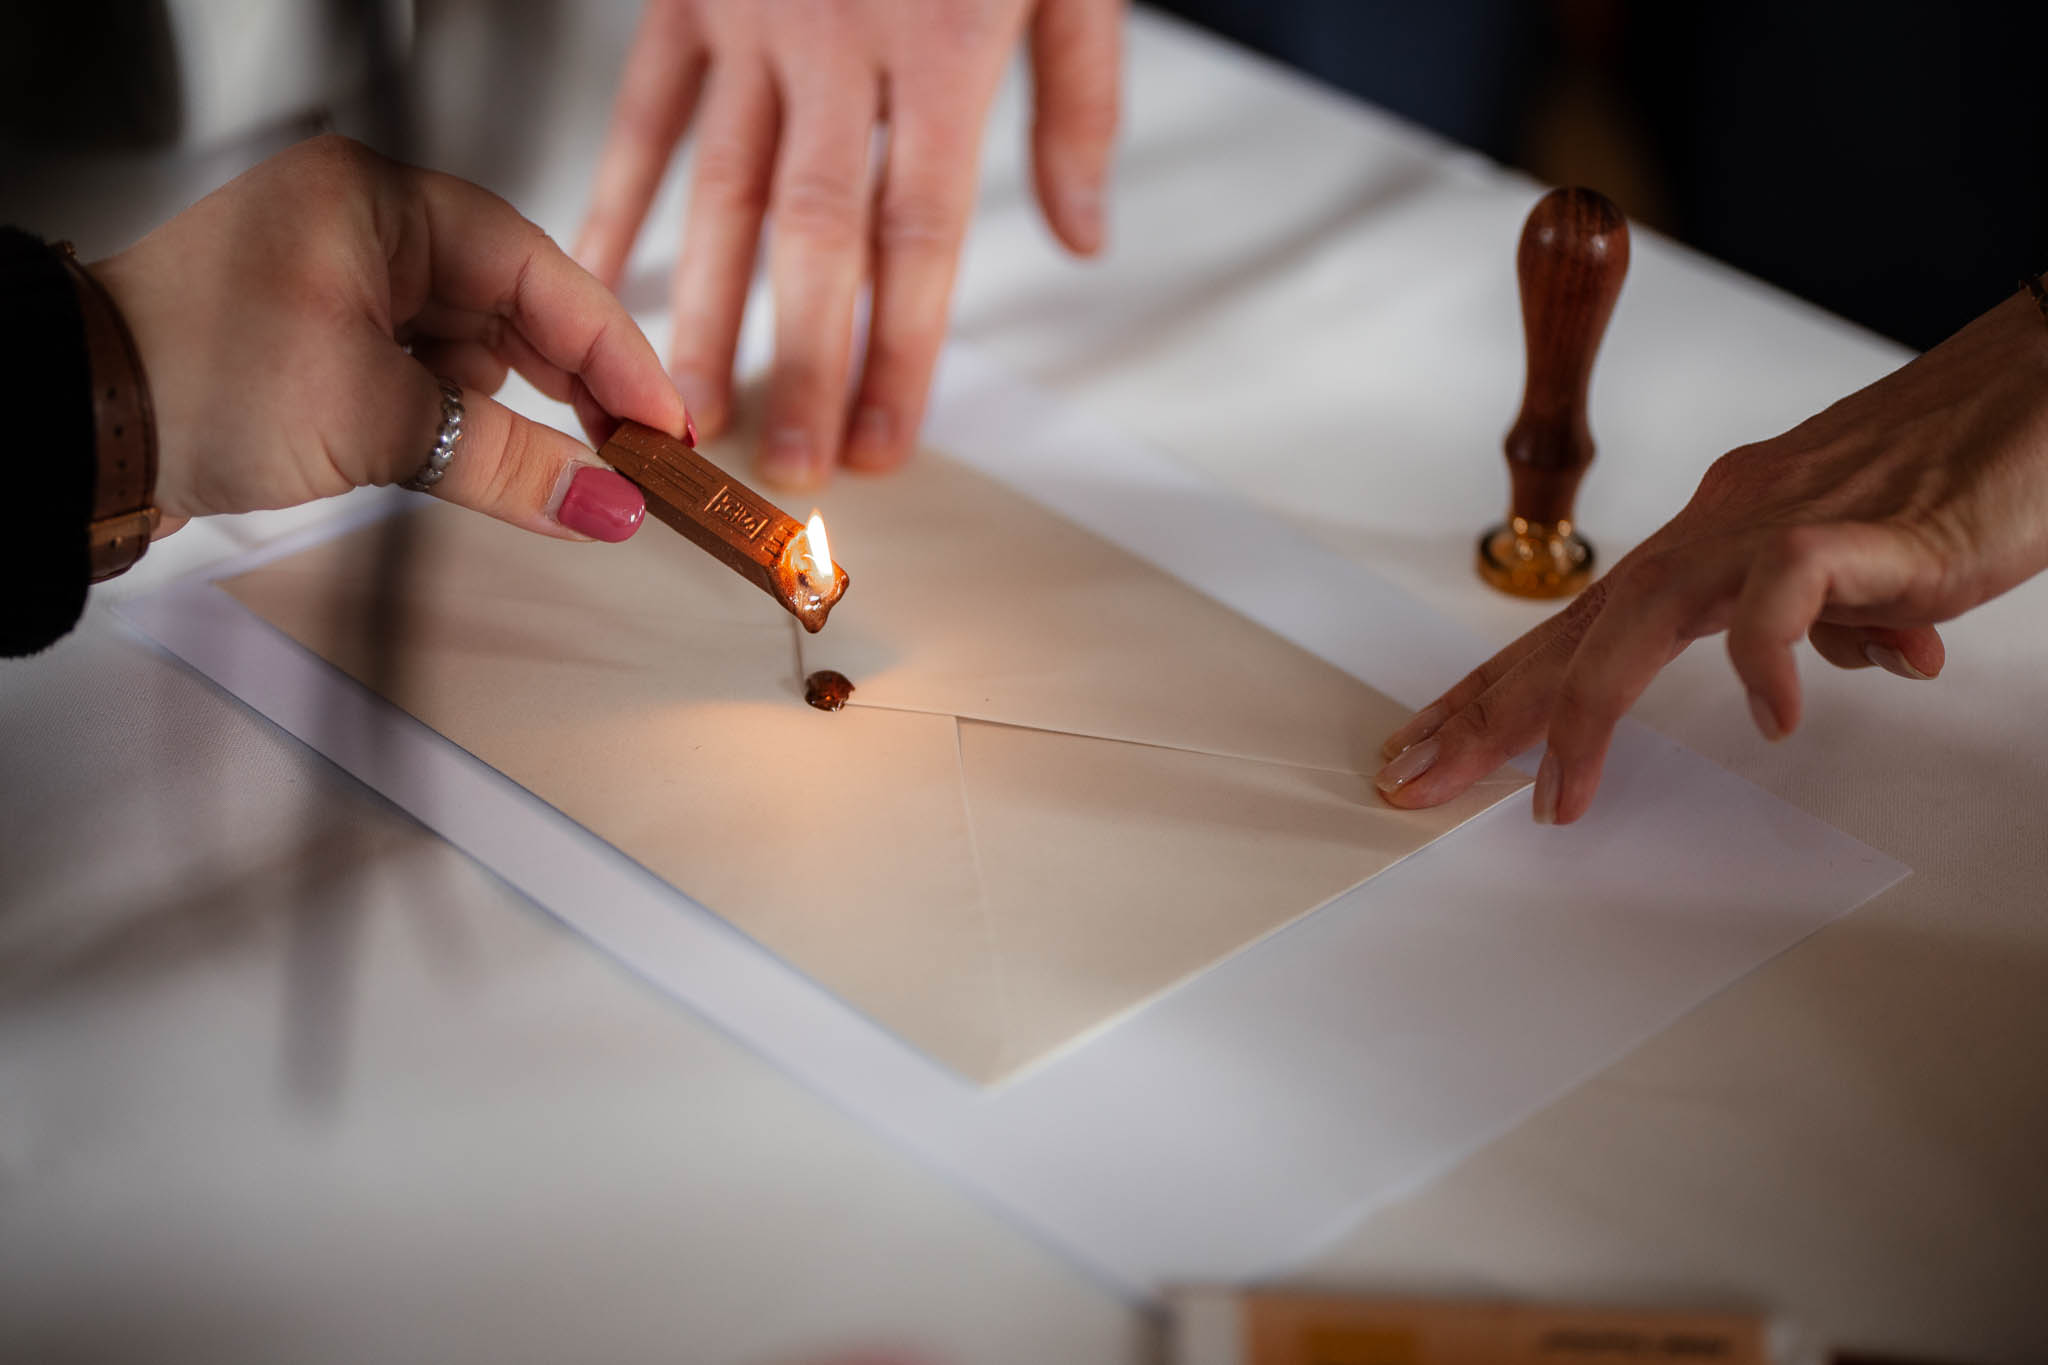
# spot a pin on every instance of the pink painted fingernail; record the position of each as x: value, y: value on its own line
x: 602, y: 504
x: 689, y: 432
x: 1407, y: 766
x: 1766, y: 719
x: 1420, y: 726
x: 1549, y: 781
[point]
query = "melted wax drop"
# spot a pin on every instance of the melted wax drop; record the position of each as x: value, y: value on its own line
x: 827, y: 690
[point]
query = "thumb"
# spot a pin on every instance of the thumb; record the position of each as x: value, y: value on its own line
x: 1074, y: 72
x: 519, y: 471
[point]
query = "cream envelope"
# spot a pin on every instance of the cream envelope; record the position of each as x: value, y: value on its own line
x: 1066, y: 781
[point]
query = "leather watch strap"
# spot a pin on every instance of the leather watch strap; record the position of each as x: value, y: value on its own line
x: 124, y: 430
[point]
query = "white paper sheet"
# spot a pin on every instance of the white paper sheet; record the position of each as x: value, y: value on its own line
x: 1234, y: 1125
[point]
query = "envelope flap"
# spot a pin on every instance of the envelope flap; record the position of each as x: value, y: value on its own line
x: 840, y: 843
x: 1102, y: 644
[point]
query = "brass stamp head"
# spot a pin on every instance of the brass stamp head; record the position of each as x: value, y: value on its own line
x: 1536, y: 559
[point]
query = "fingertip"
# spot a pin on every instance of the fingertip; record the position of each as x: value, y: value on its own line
x: 1576, y: 785
x: 1073, y: 206
x: 1439, y: 768
x: 874, y: 441
x: 1920, y: 649
x: 1927, y: 650
x: 1573, y: 775
x: 1544, y: 794
x: 1764, y: 712
x: 706, y: 403
x: 1397, y: 782
x: 1083, y: 224
x: 1417, y: 728
x: 601, y: 504
x: 789, y: 460
x: 1893, y: 661
x: 1075, y: 59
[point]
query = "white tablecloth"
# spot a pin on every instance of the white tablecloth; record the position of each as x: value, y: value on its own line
x: 284, y: 1077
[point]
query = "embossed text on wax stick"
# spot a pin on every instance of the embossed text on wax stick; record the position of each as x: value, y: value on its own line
x: 750, y: 521
x: 743, y: 530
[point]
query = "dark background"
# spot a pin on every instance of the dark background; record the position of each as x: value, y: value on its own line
x: 1887, y: 159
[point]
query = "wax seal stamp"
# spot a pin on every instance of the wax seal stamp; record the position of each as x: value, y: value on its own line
x: 1573, y: 257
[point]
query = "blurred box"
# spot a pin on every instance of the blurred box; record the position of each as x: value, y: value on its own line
x: 1225, y: 1327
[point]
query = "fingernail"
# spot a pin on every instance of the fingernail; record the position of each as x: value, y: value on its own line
x: 1891, y: 661
x: 696, y: 392
x: 1419, y: 727
x: 1082, y: 207
x: 602, y: 504
x: 1549, y: 781
x: 1766, y: 718
x: 1406, y: 767
x: 787, y: 457
x: 873, y: 429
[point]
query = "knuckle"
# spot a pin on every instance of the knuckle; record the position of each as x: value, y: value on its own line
x: 1478, y: 680
x: 336, y: 151
x: 693, y: 352
x: 726, y: 177
x: 1648, y: 577
x: 1724, y: 477
x: 1477, y: 721
x: 821, y: 205
x: 898, y: 368
x: 917, y: 225
x: 330, y: 167
x: 516, y: 480
x: 1576, y: 619
x: 960, y: 31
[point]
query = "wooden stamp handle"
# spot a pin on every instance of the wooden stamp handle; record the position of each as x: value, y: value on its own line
x: 1573, y: 257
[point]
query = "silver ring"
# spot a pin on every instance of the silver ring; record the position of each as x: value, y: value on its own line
x: 445, y: 440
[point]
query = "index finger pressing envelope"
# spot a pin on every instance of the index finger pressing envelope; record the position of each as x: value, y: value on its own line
x: 1065, y: 781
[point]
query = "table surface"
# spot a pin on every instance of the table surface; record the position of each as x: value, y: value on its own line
x: 281, y: 1074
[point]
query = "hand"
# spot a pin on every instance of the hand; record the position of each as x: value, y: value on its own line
x: 792, y: 94
x: 1903, y: 505
x: 272, y: 319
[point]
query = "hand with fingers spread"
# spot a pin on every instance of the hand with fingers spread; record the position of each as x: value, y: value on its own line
x: 1902, y: 506
x: 786, y: 99
x: 273, y: 320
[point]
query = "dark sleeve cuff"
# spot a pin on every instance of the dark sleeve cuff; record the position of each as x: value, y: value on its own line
x: 46, y: 390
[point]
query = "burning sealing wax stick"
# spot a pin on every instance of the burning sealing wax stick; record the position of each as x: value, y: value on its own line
x: 756, y: 539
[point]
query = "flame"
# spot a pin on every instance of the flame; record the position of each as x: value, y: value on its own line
x: 818, y: 550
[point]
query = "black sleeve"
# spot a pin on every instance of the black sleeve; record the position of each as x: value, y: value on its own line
x: 46, y: 393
